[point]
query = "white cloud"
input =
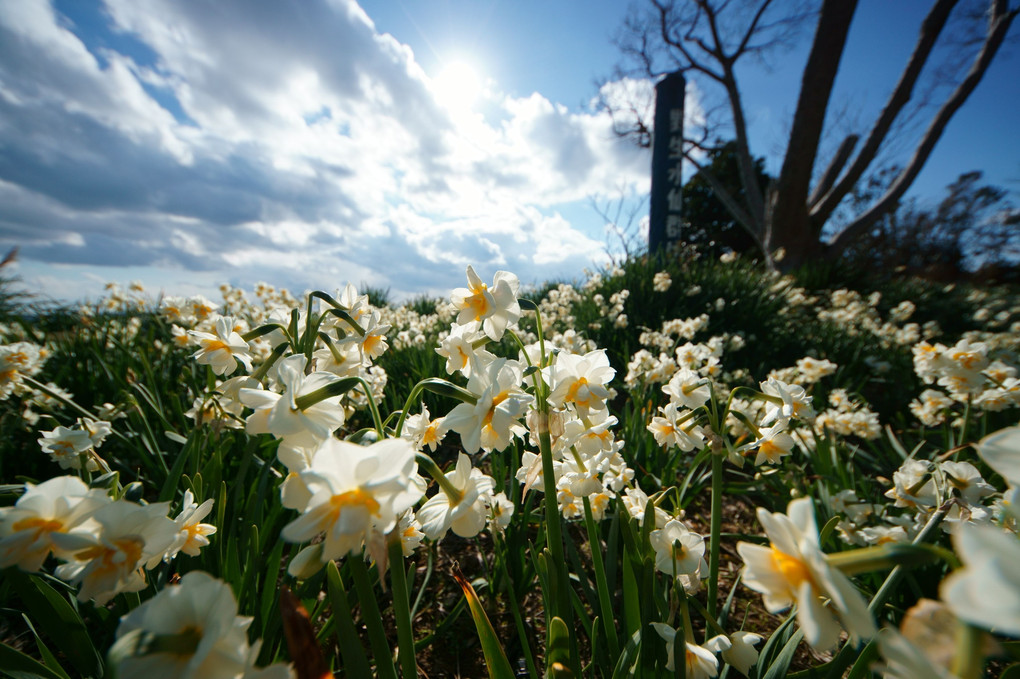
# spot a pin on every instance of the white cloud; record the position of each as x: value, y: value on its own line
x: 282, y: 142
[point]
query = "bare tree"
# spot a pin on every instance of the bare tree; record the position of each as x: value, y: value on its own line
x: 622, y: 216
x: 705, y: 39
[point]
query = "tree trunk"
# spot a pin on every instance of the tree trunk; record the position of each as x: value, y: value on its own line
x: 786, y: 213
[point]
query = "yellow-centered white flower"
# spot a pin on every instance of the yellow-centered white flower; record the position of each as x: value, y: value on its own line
x: 188, y: 631
x: 192, y: 534
x: 496, y: 308
x: 580, y: 381
x: 793, y: 569
x: 773, y: 444
x: 354, y: 490
x: 223, y: 349
x: 58, y: 505
x: 678, y: 551
x: 700, y: 662
x: 669, y: 431
x: 495, y: 417
x: 465, y: 514
x: 279, y: 414
x: 111, y: 560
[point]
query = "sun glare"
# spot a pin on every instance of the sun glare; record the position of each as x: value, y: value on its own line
x: 457, y: 86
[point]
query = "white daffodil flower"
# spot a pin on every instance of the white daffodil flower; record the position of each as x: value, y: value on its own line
x: 111, y: 560
x: 794, y: 402
x: 794, y: 570
x: 742, y: 653
x: 580, y: 381
x: 58, y: 505
x: 678, y: 551
x: 701, y: 661
x: 495, y: 417
x: 222, y: 350
x: 279, y: 414
x: 354, y: 490
x: 687, y: 389
x: 986, y: 591
x: 668, y: 431
x: 188, y: 631
x: 496, y: 308
x: 464, y: 515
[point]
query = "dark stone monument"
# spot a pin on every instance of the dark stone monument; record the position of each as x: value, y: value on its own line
x: 665, y: 219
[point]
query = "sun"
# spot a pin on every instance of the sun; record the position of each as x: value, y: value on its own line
x: 457, y: 86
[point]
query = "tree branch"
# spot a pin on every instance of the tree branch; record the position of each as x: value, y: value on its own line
x: 834, y: 168
x: 745, y: 161
x: 745, y: 41
x: 1000, y: 18
x: 678, y: 44
x: 931, y: 27
x: 790, y: 193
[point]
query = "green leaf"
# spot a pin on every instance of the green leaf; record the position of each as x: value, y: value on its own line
x: 495, y: 658
x: 826, y: 531
x: 779, y: 667
x: 351, y: 650
x: 372, y: 619
x: 48, y: 658
x: 173, y: 477
x: 437, y: 385
x: 62, y: 625
x: 558, y: 653
x: 780, y: 636
x: 862, y: 666
x: 19, y: 666
x: 628, y: 658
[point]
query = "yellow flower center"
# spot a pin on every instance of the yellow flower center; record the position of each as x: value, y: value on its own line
x: 431, y: 434
x: 353, y: 498
x: 124, y: 556
x: 214, y: 345
x: 370, y: 342
x: 577, y: 386
x: 794, y: 570
x: 771, y: 451
x: 192, y: 530
x: 496, y: 400
x: 967, y: 360
x: 63, y: 447
x: 39, y: 525
x: 478, y: 302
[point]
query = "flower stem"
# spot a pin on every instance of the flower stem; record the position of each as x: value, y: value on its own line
x: 968, y: 659
x: 433, y: 470
x: 716, y: 530
x: 605, y: 602
x: 401, y: 608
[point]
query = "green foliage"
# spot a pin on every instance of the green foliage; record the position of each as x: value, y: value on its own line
x: 378, y: 296
x: 590, y: 582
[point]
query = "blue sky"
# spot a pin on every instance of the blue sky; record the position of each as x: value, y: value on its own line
x: 187, y: 144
